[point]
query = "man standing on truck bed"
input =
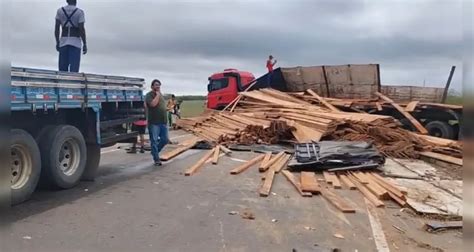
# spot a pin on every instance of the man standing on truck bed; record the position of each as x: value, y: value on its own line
x: 270, y: 64
x: 71, y: 21
x: 157, y: 121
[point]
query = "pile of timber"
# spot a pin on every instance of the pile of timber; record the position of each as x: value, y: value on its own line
x: 267, y: 116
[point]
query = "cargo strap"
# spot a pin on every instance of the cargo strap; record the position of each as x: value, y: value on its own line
x: 72, y: 30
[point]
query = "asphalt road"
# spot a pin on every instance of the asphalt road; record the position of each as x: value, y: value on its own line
x: 134, y: 206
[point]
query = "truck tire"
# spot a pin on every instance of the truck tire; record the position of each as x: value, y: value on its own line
x: 440, y: 129
x: 92, y: 163
x: 63, y: 155
x: 25, y: 165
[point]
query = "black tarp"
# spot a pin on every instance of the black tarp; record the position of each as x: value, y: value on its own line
x: 277, y: 81
x: 326, y: 155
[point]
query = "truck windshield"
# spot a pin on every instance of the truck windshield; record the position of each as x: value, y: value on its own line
x: 217, y: 84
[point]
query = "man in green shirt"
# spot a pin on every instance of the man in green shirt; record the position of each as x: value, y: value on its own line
x: 157, y: 120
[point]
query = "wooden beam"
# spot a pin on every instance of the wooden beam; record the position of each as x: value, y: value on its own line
x: 410, y: 107
x: 199, y: 164
x: 361, y: 177
x: 377, y: 190
x: 397, y: 199
x: 327, y: 177
x: 413, y: 121
x: 347, y: 182
x: 251, y: 84
x: 309, y: 183
x: 282, y: 163
x: 442, y: 157
x: 372, y: 198
x: 236, y: 102
x: 175, y: 152
x: 275, y: 166
x: 337, y: 201
x: 446, y: 88
x: 291, y: 178
x: 267, y: 158
x: 267, y: 184
x: 335, y: 181
x: 215, y: 159
x: 225, y: 150
x: 322, y: 100
x: 247, y: 165
x: 265, y: 167
x: 392, y: 189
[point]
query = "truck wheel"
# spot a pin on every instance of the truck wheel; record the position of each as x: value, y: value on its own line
x: 92, y: 163
x: 25, y: 165
x: 440, y: 129
x: 63, y: 155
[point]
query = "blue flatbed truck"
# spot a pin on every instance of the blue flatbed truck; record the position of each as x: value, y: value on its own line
x: 61, y: 120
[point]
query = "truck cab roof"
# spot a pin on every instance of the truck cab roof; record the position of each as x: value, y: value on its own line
x: 243, y: 74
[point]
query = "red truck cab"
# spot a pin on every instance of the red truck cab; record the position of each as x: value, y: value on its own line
x: 224, y: 87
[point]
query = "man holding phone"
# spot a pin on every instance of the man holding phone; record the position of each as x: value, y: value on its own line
x: 157, y: 120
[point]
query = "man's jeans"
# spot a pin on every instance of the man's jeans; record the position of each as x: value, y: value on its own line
x: 158, y: 139
x: 69, y: 58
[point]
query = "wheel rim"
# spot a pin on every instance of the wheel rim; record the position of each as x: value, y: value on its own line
x: 69, y: 156
x: 21, y: 166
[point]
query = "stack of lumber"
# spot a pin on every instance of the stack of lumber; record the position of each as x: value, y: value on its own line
x: 268, y: 116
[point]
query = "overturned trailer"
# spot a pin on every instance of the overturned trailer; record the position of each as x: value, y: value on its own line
x: 354, y: 88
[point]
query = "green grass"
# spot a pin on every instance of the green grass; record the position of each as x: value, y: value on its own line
x: 454, y: 99
x: 192, y: 108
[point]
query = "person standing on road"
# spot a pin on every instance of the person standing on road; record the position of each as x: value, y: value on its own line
x: 170, y: 107
x: 270, y: 64
x: 157, y: 121
x: 70, y: 20
x: 139, y: 126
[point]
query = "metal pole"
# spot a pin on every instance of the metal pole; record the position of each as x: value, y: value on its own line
x: 445, y: 94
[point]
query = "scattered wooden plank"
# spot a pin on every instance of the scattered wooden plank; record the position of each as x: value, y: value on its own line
x: 274, y: 167
x: 282, y: 163
x: 347, y: 182
x: 215, y: 159
x: 271, y: 162
x: 322, y: 100
x: 387, y: 185
x: 247, y: 165
x: 337, y: 201
x: 267, y: 184
x: 413, y: 121
x: 327, y: 177
x: 265, y: 160
x: 411, y: 106
x: 309, y: 183
x: 361, y: 177
x: 442, y: 157
x: 397, y: 199
x: 335, y: 181
x: 372, y: 198
x: 377, y: 190
x: 199, y: 164
x: 175, y: 152
x: 211, y: 158
x: 225, y: 150
x: 291, y: 178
